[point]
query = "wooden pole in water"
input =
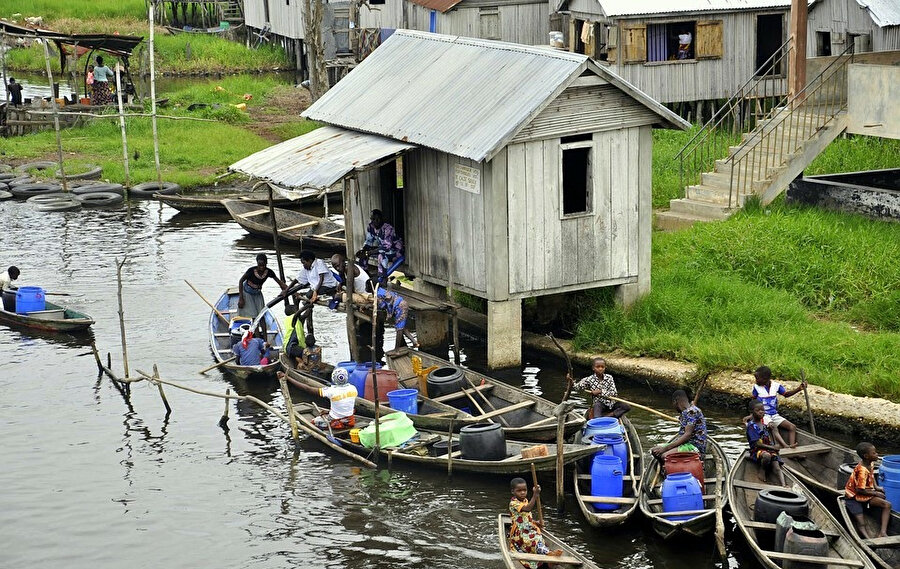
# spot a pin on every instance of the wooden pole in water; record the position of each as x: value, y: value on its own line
x: 374, y: 369
x: 812, y: 420
x: 351, y: 260
x: 450, y: 449
x: 152, y: 8
x: 451, y: 269
x: 534, y: 480
x: 275, y: 240
x: 223, y: 420
x: 161, y: 393
x: 289, y: 405
x: 122, y: 313
x: 560, y: 450
x: 55, y: 107
x: 122, y: 128
x: 6, y: 96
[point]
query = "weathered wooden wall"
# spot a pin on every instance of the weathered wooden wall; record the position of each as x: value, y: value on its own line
x: 285, y: 16
x: 518, y: 21
x: 388, y: 15
x: 842, y: 17
x: 254, y: 14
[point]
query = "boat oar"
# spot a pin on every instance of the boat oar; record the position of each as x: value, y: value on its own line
x: 212, y: 367
x: 643, y: 408
x: 210, y: 304
x: 331, y: 438
x: 812, y: 421
x: 539, y: 509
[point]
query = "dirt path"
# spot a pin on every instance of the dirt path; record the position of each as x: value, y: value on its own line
x: 280, y: 108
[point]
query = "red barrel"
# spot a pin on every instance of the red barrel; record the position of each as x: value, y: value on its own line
x: 388, y: 380
x: 685, y: 462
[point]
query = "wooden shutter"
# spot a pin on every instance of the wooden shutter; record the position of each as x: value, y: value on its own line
x: 709, y: 40
x: 635, y: 43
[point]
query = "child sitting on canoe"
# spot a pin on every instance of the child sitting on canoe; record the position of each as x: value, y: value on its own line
x: 312, y: 355
x: 763, y: 451
x: 343, y: 401
x: 524, y: 532
x: 601, y: 386
x: 861, y: 491
x: 692, y: 435
x: 767, y: 391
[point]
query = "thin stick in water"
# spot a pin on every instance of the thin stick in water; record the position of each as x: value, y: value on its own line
x: 161, y: 393
x: 223, y: 420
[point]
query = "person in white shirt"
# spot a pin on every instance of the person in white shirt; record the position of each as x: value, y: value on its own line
x: 7, y: 278
x: 316, y: 275
x: 343, y: 402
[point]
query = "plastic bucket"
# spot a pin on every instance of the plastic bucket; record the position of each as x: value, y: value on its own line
x: 680, y: 493
x: 615, y: 446
x: 606, y: 480
x: 889, y: 474
x: 602, y: 425
x: 405, y: 400
x: 354, y: 436
x: 30, y: 299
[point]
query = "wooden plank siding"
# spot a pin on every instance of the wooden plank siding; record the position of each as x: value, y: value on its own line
x: 525, y: 23
x: 388, y: 15
x: 254, y: 14
x: 840, y: 17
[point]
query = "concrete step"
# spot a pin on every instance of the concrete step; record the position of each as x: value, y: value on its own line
x: 673, y: 221
x: 695, y: 208
x: 758, y: 167
x: 716, y: 195
x: 722, y: 181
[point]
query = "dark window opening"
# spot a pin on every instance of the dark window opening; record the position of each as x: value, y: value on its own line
x: 576, y: 138
x: 823, y: 44
x: 769, y: 37
x: 392, y: 196
x: 376, y: 1
x: 579, y: 44
x: 671, y: 42
x: 576, y: 180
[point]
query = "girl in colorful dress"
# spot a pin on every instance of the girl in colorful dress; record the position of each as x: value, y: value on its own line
x: 525, y: 533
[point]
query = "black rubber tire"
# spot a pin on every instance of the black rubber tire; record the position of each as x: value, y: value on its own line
x: 99, y: 199
x: 5, y: 168
x: 771, y: 502
x: 59, y: 206
x: 28, y: 190
x: 92, y: 173
x: 95, y: 188
x: 147, y: 189
x: 50, y: 198
x: 6, y: 176
x: 20, y: 180
x: 38, y: 165
x: 4, y: 195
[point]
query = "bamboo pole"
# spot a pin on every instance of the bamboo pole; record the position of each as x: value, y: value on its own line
x: 643, y: 407
x: 560, y: 459
x: 122, y: 128
x: 55, y: 107
x: 161, y: 393
x: 540, y: 509
x: 450, y: 449
x: 289, y: 405
x: 122, y: 312
x: 351, y: 260
x: 223, y: 420
x: 214, y: 366
x: 152, y: 6
x: 812, y: 420
x: 6, y: 96
x: 374, y: 369
x: 275, y: 236
x: 211, y: 305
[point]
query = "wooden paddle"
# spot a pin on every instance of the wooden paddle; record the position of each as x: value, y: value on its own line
x: 210, y: 304
x: 331, y: 436
x: 214, y: 366
x: 539, y: 509
x: 812, y: 420
x: 643, y: 408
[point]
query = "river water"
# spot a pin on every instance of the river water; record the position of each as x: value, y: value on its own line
x: 92, y: 479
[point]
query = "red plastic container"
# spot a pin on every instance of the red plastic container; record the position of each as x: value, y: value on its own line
x: 685, y: 462
x: 388, y: 380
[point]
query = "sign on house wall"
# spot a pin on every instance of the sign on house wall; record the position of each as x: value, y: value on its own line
x: 467, y: 179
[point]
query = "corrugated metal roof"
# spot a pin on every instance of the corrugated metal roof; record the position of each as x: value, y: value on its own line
x: 619, y: 8
x: 462, y: 96
x: 316, y: 160
x: 883, y: 12
x: 439, y: 5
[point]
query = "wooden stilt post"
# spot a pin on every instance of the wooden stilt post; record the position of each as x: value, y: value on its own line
x: 161, y: 393
x: 55, y: 107
x: 122, y: 128
x: 3, y: 65
x: 223, y: 420
x: 560, y: 449
x: 122, y: 313
x: 351, y: 260
x: 275, y: 239
x: 289, y: 405
x: 152, y: 9
x: 374, y: 369
x: 456, y: 358
x: 450, y: 449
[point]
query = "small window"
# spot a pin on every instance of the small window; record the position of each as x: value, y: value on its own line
x: 376, y: 1
x: 489, y: 22
x: 576, y: 178
x: 671, y: 42
x: 823, y: 44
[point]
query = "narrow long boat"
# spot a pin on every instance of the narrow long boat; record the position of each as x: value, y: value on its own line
x: 212, y: 201
x: 419, y: 451
x: 513, y: 559
x: 524, y: 416
x: 631, y: 491
x: 743, y: 488
x: 309, y: 231
x: 220, y: 340
x: 883, y: 551
x: 817, y: 461
x: 53, y: 318
x: 701, y: 522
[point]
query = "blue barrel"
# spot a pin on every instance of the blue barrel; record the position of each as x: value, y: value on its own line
x: 615, y: 446
x: 606, y: 480
x: 30, y: 299
x: 889, y: 474
x: 681, y: 492
x: 349, y: 366
x: 601, y: 425
x: 405, y: 400
x: 359, y: 373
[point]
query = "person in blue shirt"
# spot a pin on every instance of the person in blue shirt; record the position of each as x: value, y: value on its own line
x: 763, y: 451
x: 767, y: 392
x: 398, y: 309
x: 250, y: 350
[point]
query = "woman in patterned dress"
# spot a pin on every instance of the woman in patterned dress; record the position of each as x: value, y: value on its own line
x: 525, y: 533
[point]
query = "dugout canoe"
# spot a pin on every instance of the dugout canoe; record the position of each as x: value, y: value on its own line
x: 220, y: 337
x: 212, y: 201
x: 524, y: 416
x: 309, y: 231
x: 816, y: 461
x: 513, y: 559
x: 743, y: 488
x: 702, y: 522
x: 54, y: 318
x: 631, y: 491
x: 883, y: 551
x: 418, y: 451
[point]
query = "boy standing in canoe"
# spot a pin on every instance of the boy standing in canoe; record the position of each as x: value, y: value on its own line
x: 861, y: 491
x: 767, y: 391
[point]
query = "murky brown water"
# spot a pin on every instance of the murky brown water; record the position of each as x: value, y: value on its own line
x: 92, y: 480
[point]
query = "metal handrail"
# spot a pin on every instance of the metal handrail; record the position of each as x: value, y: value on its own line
x: 698, y: 143
x: 780, y: 116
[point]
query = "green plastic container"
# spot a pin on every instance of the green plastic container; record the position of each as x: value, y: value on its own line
x: 396, y: 429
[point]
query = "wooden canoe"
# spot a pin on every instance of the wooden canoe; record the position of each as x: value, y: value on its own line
x: 743, y: 488
x: 715, y: 473
x: 212, y: 201
x: 628, y: 503
x: 309, y: 231
x: 71, y: 321
x: 529, y: 417
x: 220, y: 337
x: 513, y: 559
x: 885, y: 551
x: 418, y: 450
x: 817, y: 462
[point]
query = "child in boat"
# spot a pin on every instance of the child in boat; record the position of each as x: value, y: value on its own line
x: 763, y: 451
x: 861, y: 491
x: 767, y: 391
x: 692, y: 434
x: 343, y: 402
x: 312, y: 354
x: 525, y: 533
x: 601, y: 385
